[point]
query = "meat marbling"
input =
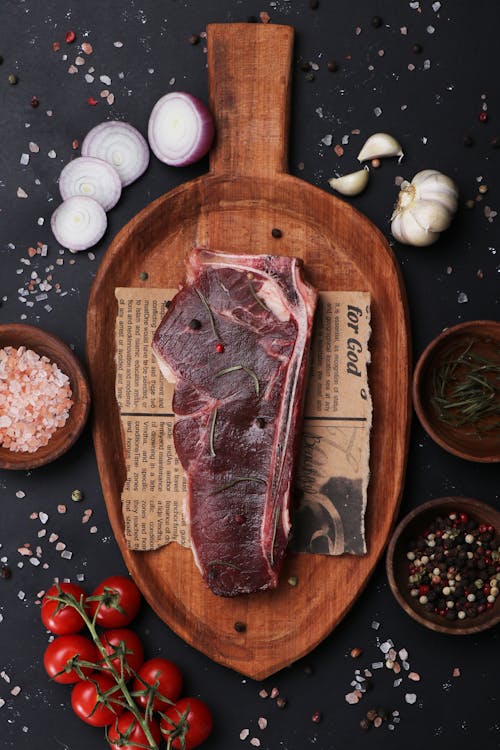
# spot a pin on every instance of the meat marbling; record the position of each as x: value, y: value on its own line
x: 240, y: 379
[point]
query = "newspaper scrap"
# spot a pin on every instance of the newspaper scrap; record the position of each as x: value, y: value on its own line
x: 333, y: 471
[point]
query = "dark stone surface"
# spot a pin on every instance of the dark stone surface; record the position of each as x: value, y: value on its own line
x: 431, y: 111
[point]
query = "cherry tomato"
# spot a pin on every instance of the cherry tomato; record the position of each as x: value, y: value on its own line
x: 62, y: 620
x: 128, y: 726
x: 163, y: 677
x: 86, y: 704
x: 124, y: 641
x: 188, y: 723
x: 120, y: 604
x: 60, y: 653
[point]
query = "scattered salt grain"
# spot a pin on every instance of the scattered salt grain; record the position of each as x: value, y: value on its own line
x: 43, y: 517
x: 244, y: 734
x: 24, y: 160
x: 80, y: 60
x: 66, y: 554
x: 410, y: 698
x: 21, y: 193
x: 456, y: 672
x: 93, y: 529
x: 60, y: 546
x: 352, y: 698
x: 262, y: 722
x: 403, y: 654
x: 377, y: 111
x: 118, y: 44
x: 430, y: 29
x: 274, y: 693
x: 87, y: 48
x: 72, y: 69
x: 20, y: 494
x: 89, y: 78
x: 327, y: 140
x: 52, y: 154
x: 21, y: 595
x: 106, y: 80
x: 53, y: 538
x: 255, y: 742
x: 462, y: 298
x: 375, y: 625
x: 2, y: 703
x: 34, y: 561
x: 263, y: 693
x: 414, y: 676
x: 15, y: 690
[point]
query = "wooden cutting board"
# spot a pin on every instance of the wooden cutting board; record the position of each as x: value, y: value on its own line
x: 233, y: 208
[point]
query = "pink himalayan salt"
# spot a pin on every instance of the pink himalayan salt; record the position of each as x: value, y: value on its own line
x: 35, y: 399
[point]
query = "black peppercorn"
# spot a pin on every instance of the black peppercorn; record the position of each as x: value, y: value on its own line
x: 305, y: 66
x: 193, y: 39
x: 416, y: 49
x: 5, y: 572
x: 240, y: 627
x: 168, y: 302
x: 468, y: 141
x: 309, y: 76
x: 260, y: 422
x: 332, y: 66
x: 276, y: 233
x: 364, y: 724
x: 195, y: 324
x: 495, y: 142
x: 376, y: 22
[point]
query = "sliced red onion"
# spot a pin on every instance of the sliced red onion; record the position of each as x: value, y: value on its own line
x: 79, y: 223
x: 181, y: 129
x: 93, y: 178
x: 121, y: 145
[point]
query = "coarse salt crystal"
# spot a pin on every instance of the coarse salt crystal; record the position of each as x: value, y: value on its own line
x: 105, y: 79
x: 53, y: 538
x: 93, y: 529
x: 21, y: 595
x: 262, y: 722
x: 462, y: 298
x: 244, y: 734
x: 61, y: 509
x: 118, y: 44
x: 15, y: 690
x: 43, y: 517
x: 66, y: 554
x: 255, y: 742
x: 263, y: 693
x: 456, y: 672
x: 327, y: 140
x: 80, y: 60
x: 60, y: 546
x: 25, y: 159
x: 89, y: 78
x: 21, y: 193
x: 34, y: 561
x: 403, y: 654
x: 410, y: 698
x: 20, y: 494
x: 352, y: 698
x: 52, y: 154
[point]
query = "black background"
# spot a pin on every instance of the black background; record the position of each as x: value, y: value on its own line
x: 430, y: 111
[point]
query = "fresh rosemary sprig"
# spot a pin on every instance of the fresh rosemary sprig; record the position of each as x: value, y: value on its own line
x: 237, y: 481
x: 212, y: 431
x: 248, y: 371
x: 209, y: 311
x: 465, y: 389
x: 257, y: 298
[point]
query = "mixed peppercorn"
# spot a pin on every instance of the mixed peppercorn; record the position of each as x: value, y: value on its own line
x: 454, y: 567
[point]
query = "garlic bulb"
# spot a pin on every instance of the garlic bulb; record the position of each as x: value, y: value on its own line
x: 351, y: 184
x: 425, y: 208
x: 379, y: 145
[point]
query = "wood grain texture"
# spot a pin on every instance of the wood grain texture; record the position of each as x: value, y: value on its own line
x: 234, y: 208
x: 47, y: 345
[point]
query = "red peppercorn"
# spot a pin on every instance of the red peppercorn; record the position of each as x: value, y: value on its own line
x: 483, y: 117
x: 34, y: 102
x: 464, y: 517
x: 219, y: 348
x: 91, y: 101
x: 70, y: 37
x: 240, y: 519
x: 56, y: 46
x: 423, y: 589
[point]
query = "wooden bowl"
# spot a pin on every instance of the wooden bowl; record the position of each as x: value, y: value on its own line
x: 463, y: 441
x: 57, y: 351
x: 397, y: 563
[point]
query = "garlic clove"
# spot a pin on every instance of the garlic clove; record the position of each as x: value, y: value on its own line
x: 431, y: 215
x: 351, y: 184
x: 380, y: 145
x: 407, y: 230
x: 433, y: 185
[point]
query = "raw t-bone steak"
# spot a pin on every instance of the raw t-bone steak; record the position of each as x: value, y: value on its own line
x: 235, y: 340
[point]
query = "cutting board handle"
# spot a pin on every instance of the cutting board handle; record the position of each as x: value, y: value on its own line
x: 249, y: 73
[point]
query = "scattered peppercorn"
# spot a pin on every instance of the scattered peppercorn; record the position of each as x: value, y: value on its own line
x: 355, y: 652
x: 12, y: 79
x: 480, y: 274
x: 309, y: 76
x: 92, y: 101
x: 483, y: 116
x: 168, y: 302
x: 332, y: 66
x: 416, y: 48
x: 75, y: 145
x: 364, y: 724
x: 70, y: 37
x: 5, y: 572
x: 240, y: 627
x: 76, y: 496
x: 143, y: 275
x: 468, y: 141
x: 376, y: 22
x: 293, y: 581
x: 470, y: 203
x: 375, y: 163
x: 316, y: 717
x: 281, y: 702
x: 308, y: 670
x: 34, y: 102
x: 305, y: 66
x: 276, y: 233
x: 219, y: 348
x: 483, y: 189
x: 260, y: 422
x: 195, y: 324
x: 495, y: 142
x: 193, y: 39
x: 371, y: 714
x: 1, y: 59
